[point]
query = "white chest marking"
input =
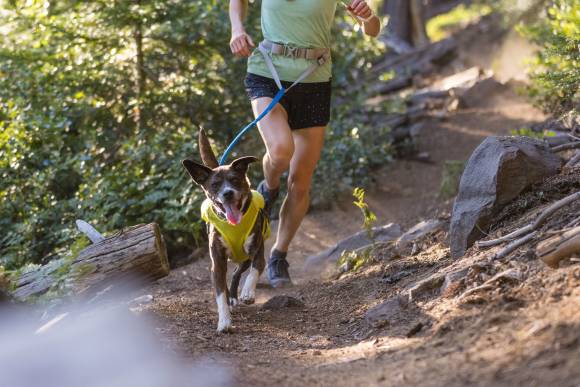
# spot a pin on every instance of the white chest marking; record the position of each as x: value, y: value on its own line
x: 226, y: 246
x: 248, y: 243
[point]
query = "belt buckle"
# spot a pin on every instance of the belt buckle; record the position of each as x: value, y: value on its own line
x: 290, y: 51
x: 322, y: 59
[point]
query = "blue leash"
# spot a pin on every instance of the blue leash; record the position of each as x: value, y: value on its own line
x: 237, y: 139
x: 264, y: 51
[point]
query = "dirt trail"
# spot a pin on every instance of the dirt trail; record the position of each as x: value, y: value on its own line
x: 527, y: 336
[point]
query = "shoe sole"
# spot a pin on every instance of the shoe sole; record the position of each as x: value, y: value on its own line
x: 281, y: 283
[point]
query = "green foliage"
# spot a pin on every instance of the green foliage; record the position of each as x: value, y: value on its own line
x: 353, y: 260
x: 100, y: 101
x: 556, y: 68
x: 441, y: 26
x: 528, y: 132
x: 369, y: 217
x: 452, y: 171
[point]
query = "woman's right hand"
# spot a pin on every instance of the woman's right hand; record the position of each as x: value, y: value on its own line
x: 241, y: 44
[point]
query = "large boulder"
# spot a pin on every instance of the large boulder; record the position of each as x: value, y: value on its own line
x: 497, y: 172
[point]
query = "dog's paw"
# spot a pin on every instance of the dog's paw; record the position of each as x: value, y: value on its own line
x: 248, y: 294
x: 247, y: 299
x: 224, y: 326
x: 233, y: 302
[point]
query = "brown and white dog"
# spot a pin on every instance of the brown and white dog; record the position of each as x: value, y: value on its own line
x: 228, y: 189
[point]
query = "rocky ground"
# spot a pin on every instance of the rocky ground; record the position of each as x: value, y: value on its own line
x: 411, y: 316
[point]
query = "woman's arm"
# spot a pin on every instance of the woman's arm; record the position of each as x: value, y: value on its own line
x: 240, y: 43
x: 360, y: 8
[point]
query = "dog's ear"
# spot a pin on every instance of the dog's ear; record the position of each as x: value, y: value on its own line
x: 207, y: 155
x: 199, y: 173
x: 241, y: 164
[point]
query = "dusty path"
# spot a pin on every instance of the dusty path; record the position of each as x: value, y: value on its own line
x: 527, y: 335
x: 328, y: 342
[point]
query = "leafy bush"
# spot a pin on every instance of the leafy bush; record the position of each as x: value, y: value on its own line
x: 99, y: 102
x: 556, y: 71
x: 441, y: 26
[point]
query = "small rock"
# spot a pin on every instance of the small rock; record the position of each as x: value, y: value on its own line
x: 384, y: 233
x: 453, y: 279
x: 418, y: 231
x: 143, y: 300
x: 427, y: 285
x: 317, y: 353
x: 380, y: 315
x: 415, y: 329
x: 423, y: 157
x: 395, y: 277
x: 281, y: 302
x: 482, y: 93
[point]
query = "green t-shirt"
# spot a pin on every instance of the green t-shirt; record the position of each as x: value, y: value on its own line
x: 298, y: 23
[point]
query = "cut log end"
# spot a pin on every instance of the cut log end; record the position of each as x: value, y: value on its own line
x: 559, y: 247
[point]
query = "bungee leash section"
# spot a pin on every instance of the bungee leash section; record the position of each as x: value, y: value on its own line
x: 267, y: 48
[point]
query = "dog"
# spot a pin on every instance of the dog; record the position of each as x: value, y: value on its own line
x: 237, y: 227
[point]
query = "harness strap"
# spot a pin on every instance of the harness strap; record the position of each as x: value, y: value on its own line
x: 265, y: 48
x: 293, y: 52
x: 322, y: 59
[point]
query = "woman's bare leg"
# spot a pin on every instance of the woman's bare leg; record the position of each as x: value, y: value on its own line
x: 298, y: 151
x: 307, y: 148
x: 278, y: 139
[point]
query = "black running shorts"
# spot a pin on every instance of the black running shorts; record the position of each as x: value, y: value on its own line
x: 307, y: 104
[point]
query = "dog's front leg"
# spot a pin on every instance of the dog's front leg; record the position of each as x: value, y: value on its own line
x: 219, y: 266
x: 236, y: 281
x: 248, y: 295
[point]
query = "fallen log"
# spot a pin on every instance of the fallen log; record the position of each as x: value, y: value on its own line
x: 427, y: 95
x: 553, y: 250
x: 406, y: 66
x: 137, y: 253
x: 437, y: 53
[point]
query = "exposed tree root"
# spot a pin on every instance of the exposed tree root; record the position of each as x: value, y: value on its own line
x: 532, y: 226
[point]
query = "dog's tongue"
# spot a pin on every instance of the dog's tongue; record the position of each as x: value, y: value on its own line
x: 233, y: 214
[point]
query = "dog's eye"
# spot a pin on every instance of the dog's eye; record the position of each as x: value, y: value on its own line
x: 236, y: 181
x: 216, y: 185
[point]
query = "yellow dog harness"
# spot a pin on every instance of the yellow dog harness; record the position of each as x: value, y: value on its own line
x: 235, y: 235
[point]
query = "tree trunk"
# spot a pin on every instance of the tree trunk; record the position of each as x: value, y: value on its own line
x: 406, y: 27
x: 139, y: 72
x: 137, y: 253
x: 418, y: 31
x: 417, y: 62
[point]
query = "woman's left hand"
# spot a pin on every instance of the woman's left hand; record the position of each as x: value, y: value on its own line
x: 361, y: 9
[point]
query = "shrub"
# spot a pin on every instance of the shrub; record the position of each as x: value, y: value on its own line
x: 556, y: 69
x: 100, y: 101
